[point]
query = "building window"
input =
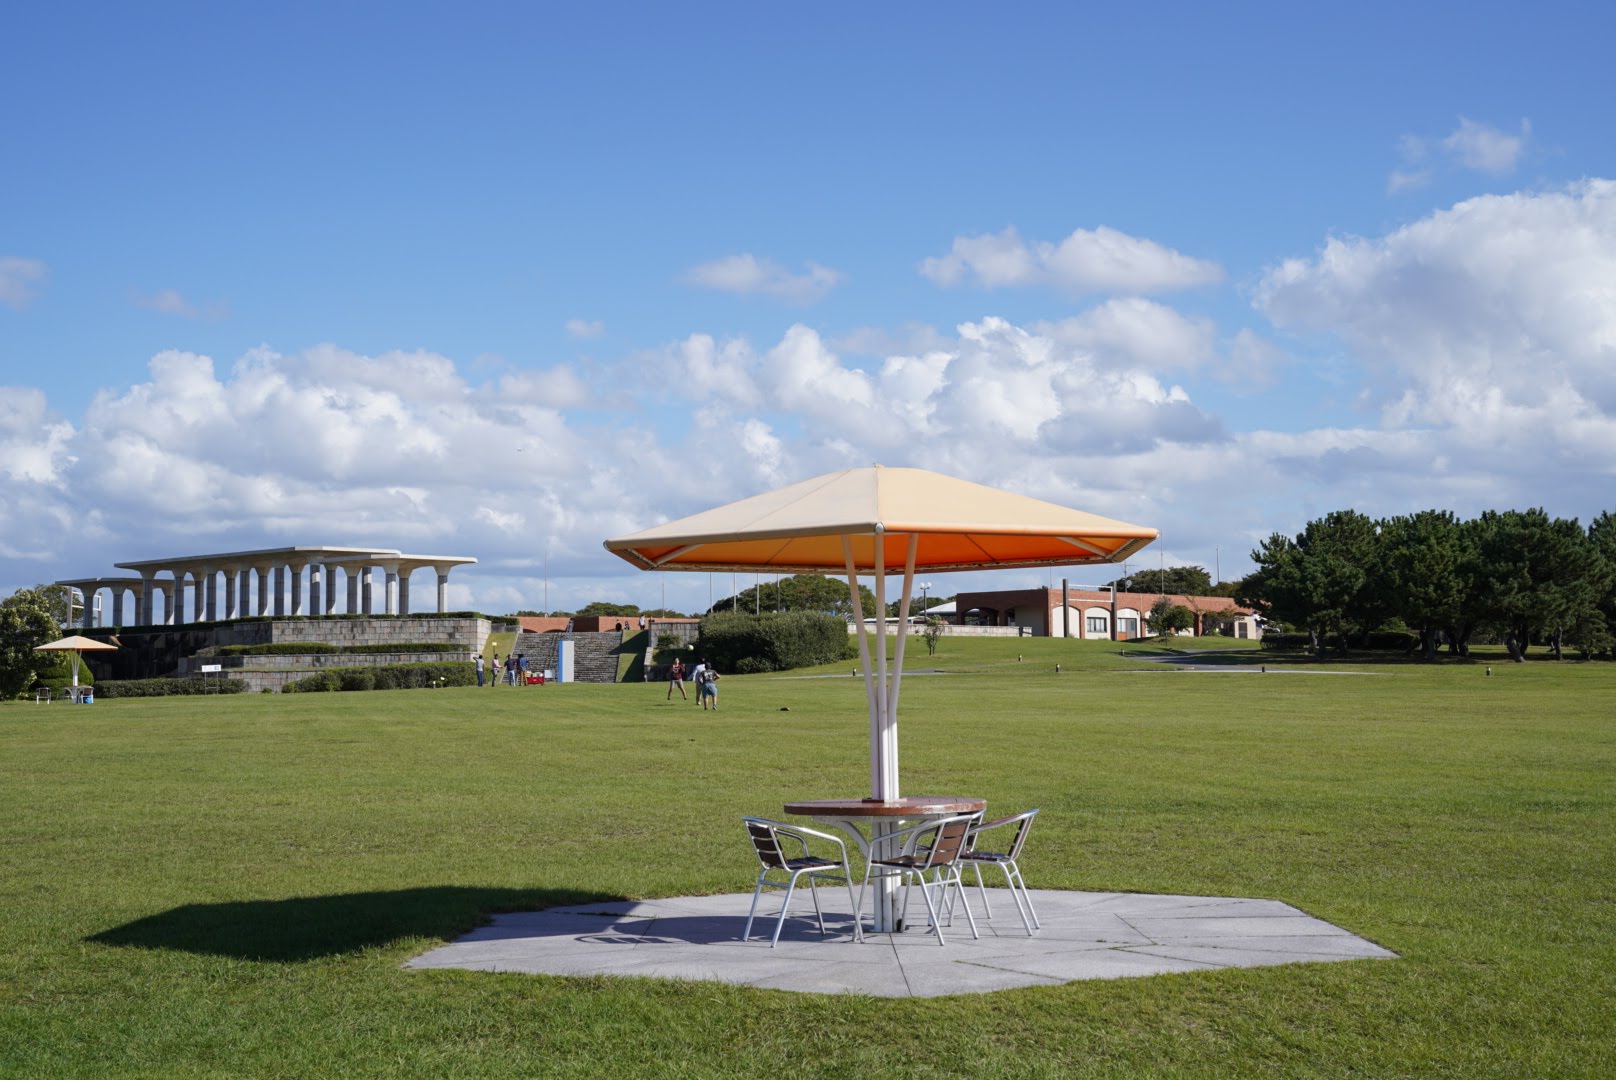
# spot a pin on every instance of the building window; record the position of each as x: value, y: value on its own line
x: 1129, y: 627
x: 1239, y: 629
x: 1096, y: 624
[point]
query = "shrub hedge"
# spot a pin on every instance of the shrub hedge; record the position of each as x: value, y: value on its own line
x: 279, y: 648
x: 387, y: 677
x: 129, y: 688
x: 307, y: 648
x: 749, y: 644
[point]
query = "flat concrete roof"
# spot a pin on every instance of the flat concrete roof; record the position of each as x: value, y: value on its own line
x: 311, y: 554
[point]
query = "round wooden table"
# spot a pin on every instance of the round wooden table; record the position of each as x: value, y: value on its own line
x: 884, y: 817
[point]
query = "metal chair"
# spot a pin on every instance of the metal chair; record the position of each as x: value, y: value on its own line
x: 769, y: 840
x: 1006, y: 861
x: 932, y: 847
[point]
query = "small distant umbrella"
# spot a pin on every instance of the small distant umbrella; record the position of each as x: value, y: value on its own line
x: 75, y: 645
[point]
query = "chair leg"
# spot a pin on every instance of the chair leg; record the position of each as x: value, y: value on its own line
x: 785, y: 907
x: 987, y: 909
x: 858, y: 924
x: 925, y: 894
x: 1025, y: 895
x: 757, y: 892
x: 813, y: 890
x: 959, y: 882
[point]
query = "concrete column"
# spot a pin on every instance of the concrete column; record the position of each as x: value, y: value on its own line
x: 174, y: 602
x: 353, y: 588
x: 280, y: 590
x: 314, y: 589
x: 403, y: 592
x: 330, y: 589
x: 263, y: 590
x: 232, y: 582
x: 368, y: 586
x: 89, y: 607
x: 443, y: 589
x: 391, y: 595
x: 148, y: 586
x: 118, y: 592
x: 212, y: 589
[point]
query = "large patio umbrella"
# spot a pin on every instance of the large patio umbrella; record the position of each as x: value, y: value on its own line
x: 75, y: 645
x: 869, y: 521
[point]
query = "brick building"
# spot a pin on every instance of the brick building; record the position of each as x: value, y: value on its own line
x: 1096, y: 613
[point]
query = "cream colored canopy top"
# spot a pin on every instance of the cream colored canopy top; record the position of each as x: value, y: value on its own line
x: 76, y: 643
x: 960, y: 525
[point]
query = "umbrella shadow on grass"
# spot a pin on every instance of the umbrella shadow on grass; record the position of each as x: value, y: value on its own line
x: 304, y: 928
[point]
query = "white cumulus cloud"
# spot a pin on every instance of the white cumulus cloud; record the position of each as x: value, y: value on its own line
x: 1474, y: 146
x: 747, y: 274
x: 1089, y: 260
x: 1493, y: 322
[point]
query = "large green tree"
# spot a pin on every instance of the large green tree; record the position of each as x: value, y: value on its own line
x: 1534, y: 574
x: 28, y: 617
x: 801, y: 592
x: 1602, y: 538
x: 1425, y: 567
x: 1185, y: 580
x: 1320, y: 582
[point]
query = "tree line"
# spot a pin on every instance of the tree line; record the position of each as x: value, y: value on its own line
x: 1518, y: 577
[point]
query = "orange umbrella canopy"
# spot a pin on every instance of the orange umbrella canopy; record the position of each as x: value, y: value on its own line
x: 958, y: 525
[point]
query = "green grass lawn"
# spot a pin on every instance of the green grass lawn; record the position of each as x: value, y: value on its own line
x: 226, y: 886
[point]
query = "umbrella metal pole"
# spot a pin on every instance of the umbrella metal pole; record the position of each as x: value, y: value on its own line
x: 883, y: 767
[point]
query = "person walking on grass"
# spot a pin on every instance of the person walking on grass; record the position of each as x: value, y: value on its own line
x: 676, y: 677
x: 706, y: 685
x: 479, y: 659
x: 493, y: 670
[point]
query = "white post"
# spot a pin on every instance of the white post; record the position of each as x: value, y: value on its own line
x: 404, y: 591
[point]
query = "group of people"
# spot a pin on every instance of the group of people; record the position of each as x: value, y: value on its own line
x: 705, y: 676
x: 514, y: 667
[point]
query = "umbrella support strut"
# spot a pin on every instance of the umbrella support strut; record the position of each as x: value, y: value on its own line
x: 881, y: 687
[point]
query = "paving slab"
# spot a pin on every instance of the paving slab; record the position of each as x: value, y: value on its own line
x: 1083, y: 935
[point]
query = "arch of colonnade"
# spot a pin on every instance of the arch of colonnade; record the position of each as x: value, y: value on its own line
x: 273, y: 581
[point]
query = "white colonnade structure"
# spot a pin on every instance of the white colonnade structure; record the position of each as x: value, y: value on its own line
x: 267, y: 582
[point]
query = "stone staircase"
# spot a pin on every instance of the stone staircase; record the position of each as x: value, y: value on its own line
x: 594, y: 655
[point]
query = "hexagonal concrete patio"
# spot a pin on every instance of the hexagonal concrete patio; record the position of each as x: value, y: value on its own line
x: 1084, y: 935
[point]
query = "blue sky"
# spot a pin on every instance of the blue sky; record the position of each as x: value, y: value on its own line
x: 500, y: 280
